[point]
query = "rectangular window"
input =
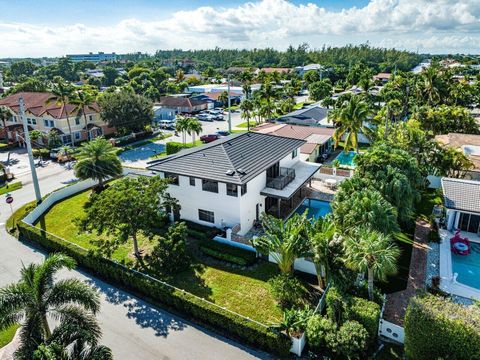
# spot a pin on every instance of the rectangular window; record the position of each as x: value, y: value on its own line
x: 206, y: 215
x: 294, y: 153
x: 29, y: 121
x: 232, y: 190
x: 209, y: 185
x: 34, y: 121
x: 174, y: 180
x: 90, y: 118
x: 52, y: 123
x: 77, y: 121
x: 77, y: 135
x: 46, y: 123
x: 244, y: 189
x: 192, y: 181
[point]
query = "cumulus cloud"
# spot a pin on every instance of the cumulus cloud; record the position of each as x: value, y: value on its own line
x: 433, y: 25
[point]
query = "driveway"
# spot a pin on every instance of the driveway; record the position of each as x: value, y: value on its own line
x: 133, y: 328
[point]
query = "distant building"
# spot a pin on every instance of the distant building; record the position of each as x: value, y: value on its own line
x: 469, y: 145
x: 169, y: 106
x: 310, y: 116
x: 99, y: 57
x: 301, y: 70
x: 382, y: 77
x: 271, y: 70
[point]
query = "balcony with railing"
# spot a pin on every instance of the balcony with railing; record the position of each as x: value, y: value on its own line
x: 285, y: 177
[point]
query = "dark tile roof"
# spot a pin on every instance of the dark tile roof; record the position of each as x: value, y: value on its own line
x: 311, y: 115
x: 459, y: 194
x: 251, y: 152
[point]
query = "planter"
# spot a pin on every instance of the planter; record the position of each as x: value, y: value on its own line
x: 298, y: 344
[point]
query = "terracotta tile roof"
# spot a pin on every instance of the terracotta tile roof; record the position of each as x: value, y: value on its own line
x: 308, y: 148
x: 35, y: 103
x: 176, y: 102
x: 293, y: 131
x: 458, y: 141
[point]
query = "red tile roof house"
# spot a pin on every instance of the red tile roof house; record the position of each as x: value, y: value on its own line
x: 169, y: 106
x: 382, y: 77
x: 46, y: 117
x: 318, y: 139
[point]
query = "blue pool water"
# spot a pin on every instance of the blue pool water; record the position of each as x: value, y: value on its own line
x: 316, y: 208
x: 346, y: 159
x: 468, y: 267
x: 142, y: 152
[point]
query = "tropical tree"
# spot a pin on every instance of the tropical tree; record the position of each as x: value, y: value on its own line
x: 35, y: 135
x: 284, y: 241
x: 320, y: 234
x: 267, y: 95
x: 194, y: 127
x: 247, y: 108
x: 319, y: 90
x: 84, y: 100
x: 38, y: 296
x: 181, y: 126
x: 372, y: 252
x: 62, y: 93
x: 223, y: 97
x: 97, y: 160
x: 350, y: 118
x: 5, y: 114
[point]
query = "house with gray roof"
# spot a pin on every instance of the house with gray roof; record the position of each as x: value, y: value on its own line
x: 230, y: 182
x: 462, y: 200
x: 309, y: 116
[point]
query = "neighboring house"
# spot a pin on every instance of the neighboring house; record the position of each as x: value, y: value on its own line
x: 309, y: 116
x: 270, y: 70
x: 301, y: 70
x: 230, y: 182
x: 462, y: 200
x: 52, y: 117
x: 318, y: 139
x: 169, y: 106
x: 469, y: 145
x: 101, y: 56
x: 382, y: 77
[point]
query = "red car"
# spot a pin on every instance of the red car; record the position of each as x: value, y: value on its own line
x: 209, y: 138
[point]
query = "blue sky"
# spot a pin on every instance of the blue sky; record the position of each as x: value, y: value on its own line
x: 55, y: 28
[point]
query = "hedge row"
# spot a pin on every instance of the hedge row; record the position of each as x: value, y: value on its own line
x: 366, y: 313
x: 173, y: 147
x: 160, y: 293
x: 438, y: 328
x: 249, y: 257
x: 224, y: 256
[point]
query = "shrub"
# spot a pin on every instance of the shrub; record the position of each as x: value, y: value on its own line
x: 44, y: 153
x: 287, y: 290
x: 438, y: 328
x: 351, y: 340
x: 366, y: 313
x: 223, y: 256
x: 226, y: 252
x: 172, y: 147
x: 336, y: 303
x: 321, y: 332
x: 169, y: 255
x: 162, y: 294
x: 295, y: 321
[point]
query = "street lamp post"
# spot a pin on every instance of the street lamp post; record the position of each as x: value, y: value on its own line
x: 229, y: 104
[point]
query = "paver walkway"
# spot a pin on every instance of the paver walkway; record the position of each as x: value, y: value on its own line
x: 397, y: 302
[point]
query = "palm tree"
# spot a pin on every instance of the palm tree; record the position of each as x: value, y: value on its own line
x: 223, y: 97
x: 83, y: 100
x: 428, y: 84
x: 194, y: 127
x: 97, y: 160
x: 38, y: 296
x: 372, y: 252
x: 350, y: 119
x: 321, y: 234
x: 247, y: 107
x: 61, y: 95
x: 267, y: 95
x: 5, y: 114
x: 181, y: 125
x: 284, y: 241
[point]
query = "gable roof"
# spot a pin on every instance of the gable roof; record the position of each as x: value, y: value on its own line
x: 311, y: 115
x: 247, y: 154
x: 460, y: 194
x: 174, y: 102
x: 35, y: 103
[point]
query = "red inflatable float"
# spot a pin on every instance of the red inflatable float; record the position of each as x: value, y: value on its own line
x: 459, y: 245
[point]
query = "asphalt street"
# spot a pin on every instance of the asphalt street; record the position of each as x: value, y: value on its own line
x: 132, y: 328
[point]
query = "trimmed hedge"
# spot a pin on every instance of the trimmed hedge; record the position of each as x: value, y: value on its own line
x: 161, y: 294
x: 172, y: 147
x: 366, y: 313
x: 438, y: 328
x: 248, y: 257
x: 224, y: 256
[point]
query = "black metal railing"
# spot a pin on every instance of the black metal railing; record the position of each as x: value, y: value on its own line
x: 285, y: 177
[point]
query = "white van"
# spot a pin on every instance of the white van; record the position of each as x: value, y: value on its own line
x: 167, y: 124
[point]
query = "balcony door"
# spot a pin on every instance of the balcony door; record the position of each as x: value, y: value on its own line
x: 469, y: 223
x: 273, y: 171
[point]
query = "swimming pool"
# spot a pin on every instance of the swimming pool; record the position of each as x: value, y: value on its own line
x: 468, y: 267
x: 346, y: 159
x: 316, y: 208
x: 143, y: 152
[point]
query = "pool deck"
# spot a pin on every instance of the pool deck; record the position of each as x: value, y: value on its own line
x: 448, y: 282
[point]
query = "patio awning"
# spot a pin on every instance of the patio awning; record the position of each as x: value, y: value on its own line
x: 303, y: 172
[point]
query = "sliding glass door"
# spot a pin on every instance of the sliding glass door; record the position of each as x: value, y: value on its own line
x: 469, y: 223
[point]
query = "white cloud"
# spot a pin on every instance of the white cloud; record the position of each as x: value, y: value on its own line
x: 432, y: 25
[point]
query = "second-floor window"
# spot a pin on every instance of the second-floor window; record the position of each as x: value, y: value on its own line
x: 29, y: 121
x: 77, y: 121
x: 90, y: 118
x: 244, y: 189
x: 192, y: 181
x: 49, y: 123
x: 232, y: 190
x: 209, y: 185
x: 294, y: 153
x: 174, y: 180
x: 34, y: 121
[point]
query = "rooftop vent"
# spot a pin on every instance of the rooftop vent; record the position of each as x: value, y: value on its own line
x: 241, y: 171
x: 230, y: 172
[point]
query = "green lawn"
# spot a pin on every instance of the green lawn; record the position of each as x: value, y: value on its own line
x: 7, y: 188
x: 429, y: 198
x: 7, y: 335
x: 243, y: 291
x: 245, y: 124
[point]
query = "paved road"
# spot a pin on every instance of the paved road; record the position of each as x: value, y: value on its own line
x: 131, y: 327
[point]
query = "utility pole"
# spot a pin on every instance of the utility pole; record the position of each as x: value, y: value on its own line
x: 26, y: 137
x: 229, y: 104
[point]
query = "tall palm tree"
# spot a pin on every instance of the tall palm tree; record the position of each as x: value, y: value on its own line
x: 194, y: 127
x: 83, y: 100
x: 38, y: 296
x: 5, y: 114
x: 428, y: 85
x: 247, y: 107
x: 62, y: 93
x: 350, y: 118
x: 223, y: 97
x: 267, y: 95
x: 320, y: 235
x: 181, y: 126
x: 97, y: 160
x: 372, y: 252
x: 284, y: 241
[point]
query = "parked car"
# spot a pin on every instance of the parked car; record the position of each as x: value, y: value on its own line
x: 167, y: 124
x: 223, y: 133
x: 209, y: 138
x: 205, y: 117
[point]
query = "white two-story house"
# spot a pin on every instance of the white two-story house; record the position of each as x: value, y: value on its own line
x: 230, y: 182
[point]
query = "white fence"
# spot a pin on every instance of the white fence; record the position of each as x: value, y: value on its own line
x: 300, y: 264
x: 391, y: 331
